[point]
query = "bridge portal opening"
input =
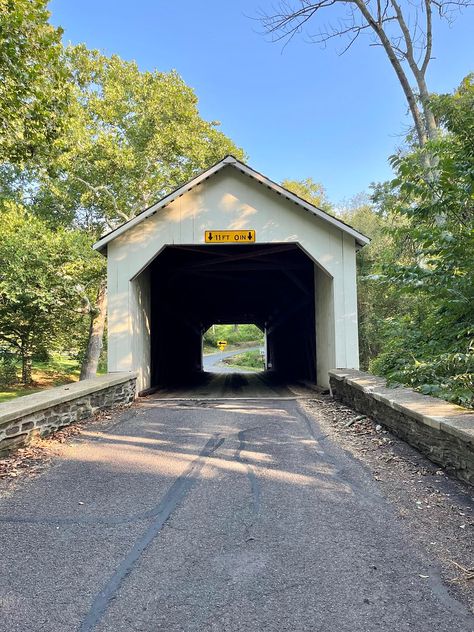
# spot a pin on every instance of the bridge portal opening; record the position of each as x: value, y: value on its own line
x: 187, y: 289
x: 234, y: 348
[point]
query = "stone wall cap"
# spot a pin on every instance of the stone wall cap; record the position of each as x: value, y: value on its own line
x: 29, y: 404
x: 368, y: 383
x: 461, y: 426
x: 437, y: 413
x: 339, y: 374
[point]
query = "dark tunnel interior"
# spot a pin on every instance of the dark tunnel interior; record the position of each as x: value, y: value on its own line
x: 193, y: 287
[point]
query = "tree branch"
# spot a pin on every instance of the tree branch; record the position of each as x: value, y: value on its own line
x: 290, y: 22
x: 410, y: 44
x: 406, y: 36
x: 96, y: 191
x: 429, y: 37
x: 403, y: 79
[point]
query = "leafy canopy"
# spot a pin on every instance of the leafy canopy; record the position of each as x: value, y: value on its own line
x: 34, y: 87
x: 311, y: 191
x: 432, y: 346
x: 43, y: 277
x: 133, y: 137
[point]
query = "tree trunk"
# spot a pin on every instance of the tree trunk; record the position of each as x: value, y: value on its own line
x: 419, y: 72
x: 397, y: 66
x: 430, y: 121
x: 25, y: 365
x: 96, y: 334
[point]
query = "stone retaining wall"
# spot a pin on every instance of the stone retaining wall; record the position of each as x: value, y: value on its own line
x: 45, y: 412
x: 442, y: 431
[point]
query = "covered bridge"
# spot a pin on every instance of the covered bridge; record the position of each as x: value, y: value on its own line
x: 231, y: 246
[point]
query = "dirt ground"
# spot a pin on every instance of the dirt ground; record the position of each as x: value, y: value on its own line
x: 438, y: 508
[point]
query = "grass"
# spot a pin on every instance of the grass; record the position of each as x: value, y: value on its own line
x: 251, y: 360
x: 57, y: 371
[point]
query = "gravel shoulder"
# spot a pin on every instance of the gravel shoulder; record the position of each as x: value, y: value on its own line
x: 437, y: 508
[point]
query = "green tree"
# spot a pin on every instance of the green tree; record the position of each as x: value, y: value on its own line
x: 34, y: 89
x: 43, y: 284
x: 431, y: 347
x: 133, y: 137
x: 311, y: 191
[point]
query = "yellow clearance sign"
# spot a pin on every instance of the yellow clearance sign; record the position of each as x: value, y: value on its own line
x: 229, y: 236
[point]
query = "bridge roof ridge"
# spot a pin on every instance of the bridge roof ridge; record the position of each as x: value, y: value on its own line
x: 230, y: 161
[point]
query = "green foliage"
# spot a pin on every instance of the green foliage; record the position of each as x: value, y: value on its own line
x: 311, y: 191
x: 133, y: 136
x: 34, y: 90
x: 446, y: 375
x: 234, y: 334
x: 415, y: 288
x: 430, y: 345
x: 247, y: 360
x: 376, y: 300
x: 41, y: 297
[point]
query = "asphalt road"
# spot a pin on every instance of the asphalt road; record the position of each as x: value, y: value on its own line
x: 213, y: 362
x: 213, y: 516
x: 228, y: 384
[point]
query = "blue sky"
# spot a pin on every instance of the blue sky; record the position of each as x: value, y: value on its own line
x: 298, y: 112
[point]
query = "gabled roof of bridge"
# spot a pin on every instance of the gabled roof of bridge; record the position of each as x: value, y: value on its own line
x: 231, y: 161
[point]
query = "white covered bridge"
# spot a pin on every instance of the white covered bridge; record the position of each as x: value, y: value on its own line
x: 288, y: 267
